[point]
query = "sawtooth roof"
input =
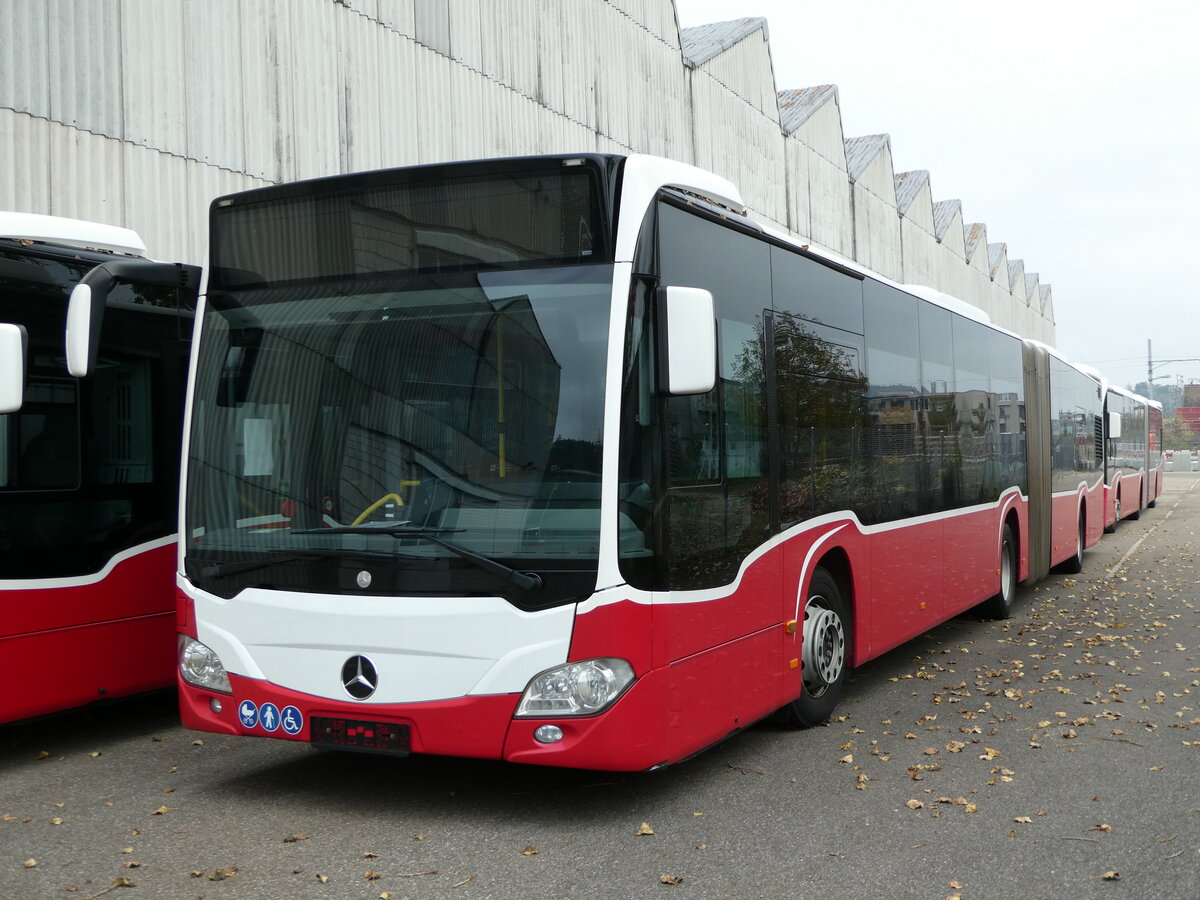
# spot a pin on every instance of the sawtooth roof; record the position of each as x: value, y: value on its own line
x: 861, y: 152
x: 973, y: 235
x: 797, y: 106
x: 944, y: 212
x: 908, y: 186
x: 703, y: 42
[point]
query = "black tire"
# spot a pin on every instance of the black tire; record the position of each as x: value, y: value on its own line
x: 1000, y: 605
x: 1135, y: 515
x: 824, y: 638
x: 1074, y: 565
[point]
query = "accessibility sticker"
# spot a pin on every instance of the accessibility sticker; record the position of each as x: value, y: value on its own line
x: 292, y: 719
x: 248, y: 713
x: 268, y: 716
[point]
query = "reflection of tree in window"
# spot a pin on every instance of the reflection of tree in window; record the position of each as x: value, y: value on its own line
x: 819, y: 395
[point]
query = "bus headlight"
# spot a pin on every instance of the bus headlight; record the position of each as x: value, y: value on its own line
x: 576, y: 689
x: 200, y: 666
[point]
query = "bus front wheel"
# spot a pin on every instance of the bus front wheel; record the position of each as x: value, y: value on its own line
x: 824, y: 654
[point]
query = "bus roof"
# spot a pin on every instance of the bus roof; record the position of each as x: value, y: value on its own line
x: 70, y: 233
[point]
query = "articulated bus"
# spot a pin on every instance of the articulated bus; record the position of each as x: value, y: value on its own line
x: 1133, y: 457
x: 565, y: 460
x: 88, y: 472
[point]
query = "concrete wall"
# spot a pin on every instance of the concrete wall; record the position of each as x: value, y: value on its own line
x: 139, y: 112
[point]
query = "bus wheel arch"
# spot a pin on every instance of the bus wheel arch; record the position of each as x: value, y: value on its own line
x: 827, y: 642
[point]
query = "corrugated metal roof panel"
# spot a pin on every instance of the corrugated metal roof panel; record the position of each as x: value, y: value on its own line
x: 797, y: 106
x: 1016, y: 269
x: 944, y: 212
x: 702, y: 42
x: 908, y: 186
x: 974, y: 235
x: 861, y: 151
x: 996, y: 253
x: 1032, y: 293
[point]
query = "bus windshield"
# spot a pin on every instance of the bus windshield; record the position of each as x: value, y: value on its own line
x: 462, y: 406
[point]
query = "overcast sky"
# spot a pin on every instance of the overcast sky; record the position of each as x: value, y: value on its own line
x: 1072, y: 130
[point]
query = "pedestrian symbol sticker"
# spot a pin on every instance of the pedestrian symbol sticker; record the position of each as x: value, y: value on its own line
x: 291, y: 719
x: 268, y: 716
x: 248, y: 713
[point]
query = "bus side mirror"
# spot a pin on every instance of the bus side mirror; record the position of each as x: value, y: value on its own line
x: 14, y: 349
x: 1114, y: 425
x: 85, y: 310
x: 689, y: 330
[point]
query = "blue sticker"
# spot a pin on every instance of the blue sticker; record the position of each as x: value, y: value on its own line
x: 248, y: 713
x: 292, y: 720
x: 268, y: 716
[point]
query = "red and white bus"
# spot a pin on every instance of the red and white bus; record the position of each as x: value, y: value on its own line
x: 565, y: 460
x: 1133, y: 455
x: 88, y: 472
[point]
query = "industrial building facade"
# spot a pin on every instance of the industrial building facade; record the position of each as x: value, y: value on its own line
x: 139, y: 112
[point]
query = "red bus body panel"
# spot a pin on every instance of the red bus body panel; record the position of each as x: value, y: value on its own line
x: 128, y: 651
x: 708, y: 663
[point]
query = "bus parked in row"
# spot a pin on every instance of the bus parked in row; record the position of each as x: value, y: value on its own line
x: 88, y: 472
x: 1133, y: 457
x: 566, y: 460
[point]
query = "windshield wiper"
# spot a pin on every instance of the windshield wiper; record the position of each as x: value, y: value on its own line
x: 526, y: 581
x: 241, y: 567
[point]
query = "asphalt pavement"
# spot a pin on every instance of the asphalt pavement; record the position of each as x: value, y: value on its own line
x: 1053, y: 755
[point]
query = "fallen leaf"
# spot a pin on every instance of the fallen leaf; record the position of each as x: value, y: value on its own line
x: 466, y: 880
x: 30, y: 863
x: 163, y: 810
x: 292, y: 838
x: 1111, y: 876
x: 644, y: 828
x: 1024, y: 820
x: 671, y: 879
x: 915, y: 804
x: 324, y: 879
x: 371, y: 876
x: 370, y: 854
x: 529, y: 850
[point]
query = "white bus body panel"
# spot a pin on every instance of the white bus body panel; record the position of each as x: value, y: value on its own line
x: 70, y: 233
x: 426, y: 648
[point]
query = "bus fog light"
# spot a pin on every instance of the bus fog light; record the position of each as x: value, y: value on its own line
x: 576, y: 689
x: 214, y: 703
x: 200, y: 666
x: 548, y: 734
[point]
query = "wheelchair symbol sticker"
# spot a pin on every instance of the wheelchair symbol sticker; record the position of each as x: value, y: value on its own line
x: 291, y: 719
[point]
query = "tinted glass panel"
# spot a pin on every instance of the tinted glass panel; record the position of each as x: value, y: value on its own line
x: 892, y: 475
x: 411, y: 220
x: 89, y: 467
x: 820, y: 396
x: 719, y: 509
x: 810, y: 290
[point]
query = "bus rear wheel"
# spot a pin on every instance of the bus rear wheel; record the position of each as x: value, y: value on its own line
x: 1000, y: 605
x: 825, y: 653
x: 1074, y: 565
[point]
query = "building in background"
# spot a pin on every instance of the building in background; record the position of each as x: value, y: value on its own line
x: 139, y: 112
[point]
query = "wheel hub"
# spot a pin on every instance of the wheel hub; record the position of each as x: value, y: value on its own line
x: 824, y: 648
